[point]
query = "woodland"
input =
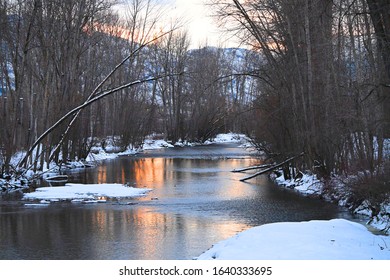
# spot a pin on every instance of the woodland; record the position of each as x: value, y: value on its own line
x: 310, y: 78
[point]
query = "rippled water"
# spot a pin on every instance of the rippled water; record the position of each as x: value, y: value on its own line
x: 196, y: 201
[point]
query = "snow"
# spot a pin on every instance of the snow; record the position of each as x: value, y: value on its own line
x: 309, y: 184
x: 109, y: 149
x: 99, y: 154
x: 382, y: 220
x: 84, y: 192
x: 151, y: 143
x: 336, y: 239
x: 228, y: 138
x: 155, y: 144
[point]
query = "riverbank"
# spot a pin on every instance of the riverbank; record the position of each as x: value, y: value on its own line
x: 155, y: 142
x: 338, y: 190
x: 16, y: 183
x: 336, y: 239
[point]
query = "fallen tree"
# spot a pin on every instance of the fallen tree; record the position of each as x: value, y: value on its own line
x: 95, y: 95
x: 273, y: 167
x: 26, y: 164
x: 252, y: 167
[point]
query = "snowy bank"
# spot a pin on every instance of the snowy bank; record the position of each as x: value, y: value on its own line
x: 230, y: 138
x: 102, y: 150
x: 336, y: 239
x: 339, y: 193
x: 155, y: 144
x: 308, y: 184
x: 84, y: 192
x: 98, y: 153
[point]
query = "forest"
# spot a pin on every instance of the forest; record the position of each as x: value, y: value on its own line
x: 311, y: 77
x: 56, y: 55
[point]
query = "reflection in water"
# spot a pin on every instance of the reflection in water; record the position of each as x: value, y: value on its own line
x: 154, y: 171
x: 180, y: 174
x: 101, y: 174
x: 200, y: 202
x: 141, y: 171
x: 107, y: 233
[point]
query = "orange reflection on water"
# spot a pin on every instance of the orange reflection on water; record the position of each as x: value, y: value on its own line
x: 156, y: 234
x: 101, y: 174
x: 151, y: 230
x: 142, y: 172
x: 153, y: 170
x: 231, y: 184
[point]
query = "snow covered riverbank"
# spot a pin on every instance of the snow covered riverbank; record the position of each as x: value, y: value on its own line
x: 314, y: 240
x: 154, y: 142
x: 337, y: 239
x: 108, y: 150
x: 310, y: 185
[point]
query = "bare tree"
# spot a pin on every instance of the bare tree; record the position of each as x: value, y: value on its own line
x: 62, y: 54
x: 206, y: 93
x: 171, y: 57
x: 314, y: 89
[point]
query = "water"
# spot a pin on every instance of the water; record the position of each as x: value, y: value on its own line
x: 196, y: 201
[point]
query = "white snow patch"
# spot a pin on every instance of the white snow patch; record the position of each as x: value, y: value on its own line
x: 36, y: 205
x: 229, y: 138
x: 336, y: 239
x: 82, y: 191
x: 364, y: 209
x: 155, y: 144
x: 309, y: 184
x: 185, y: 143
x: 98, y: 154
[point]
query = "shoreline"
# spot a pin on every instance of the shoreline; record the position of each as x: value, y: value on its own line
x: 334, y: 191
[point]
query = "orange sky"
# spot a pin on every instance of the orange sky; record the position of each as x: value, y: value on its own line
x: 197, y: 20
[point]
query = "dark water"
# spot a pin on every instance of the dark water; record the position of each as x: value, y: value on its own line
x: 196, y: 201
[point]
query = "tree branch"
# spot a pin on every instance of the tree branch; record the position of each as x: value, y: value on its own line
x: 77, y: 110
x: 271, y: 168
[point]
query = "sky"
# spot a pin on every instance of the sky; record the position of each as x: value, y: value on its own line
x: 197, y: 20
x: 201, y: 26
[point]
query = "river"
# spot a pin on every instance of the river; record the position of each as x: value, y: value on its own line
x: 195, y: 202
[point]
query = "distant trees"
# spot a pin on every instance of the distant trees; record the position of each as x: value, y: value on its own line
x: 170, y: 56
x: 379, y: 12
x: 48, y: 47
x: 207, y: 99
x: 58, y: 52
x: 320, y: 88
x: 58, y: 55
x: 380, y: 16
